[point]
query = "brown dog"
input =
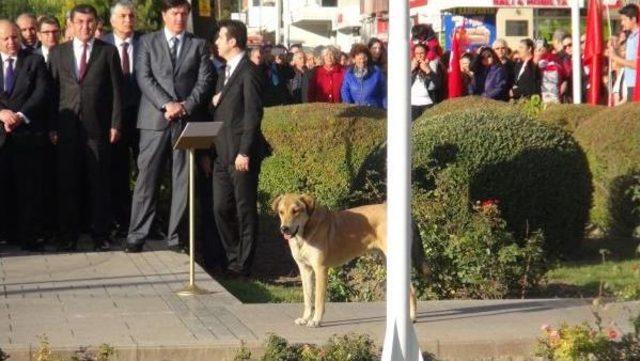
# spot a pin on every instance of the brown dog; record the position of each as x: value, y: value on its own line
x: 320, y: 239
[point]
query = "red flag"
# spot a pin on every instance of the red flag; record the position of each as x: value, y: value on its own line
x: 594, y: 50
x: 454, y: 76
x: 636, y: 90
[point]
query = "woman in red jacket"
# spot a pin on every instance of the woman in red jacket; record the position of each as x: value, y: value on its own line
x: 327, y: 79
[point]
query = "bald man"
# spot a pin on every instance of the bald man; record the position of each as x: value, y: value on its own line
x: 28, y: 25
x: 23, y: 105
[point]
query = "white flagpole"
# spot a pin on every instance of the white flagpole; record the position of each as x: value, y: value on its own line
x: 400, y: 342
x: 577, y: 59
x: 611, y: 81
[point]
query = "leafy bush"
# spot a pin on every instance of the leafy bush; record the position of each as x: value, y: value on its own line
x: 351, y: 347
x: 539, y: 174
x: 318, y: 149
x: 464, y: 104
x: 611, y: 140
x: 585, y: 342
x: 568, y: 116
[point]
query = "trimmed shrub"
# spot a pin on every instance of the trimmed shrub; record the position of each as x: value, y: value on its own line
x: 318, y: 149
x: 568, y: 116
x: 539, y: 174
x: 611, y: 140
x: 466, y: 103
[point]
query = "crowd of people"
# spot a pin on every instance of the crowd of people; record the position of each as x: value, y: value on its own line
x: 82, y: 110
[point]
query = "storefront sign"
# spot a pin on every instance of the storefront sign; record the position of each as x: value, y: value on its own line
x: 532, y: 3
x: 480, y: 28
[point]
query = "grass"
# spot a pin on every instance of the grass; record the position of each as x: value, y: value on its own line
x: 255, y: 291
x: 582, y: 276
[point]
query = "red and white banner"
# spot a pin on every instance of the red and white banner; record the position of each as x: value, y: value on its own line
x: 417, y: 3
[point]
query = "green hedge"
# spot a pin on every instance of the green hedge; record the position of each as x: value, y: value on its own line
x: 538, y: 173
x: 611, y: 139
x: 568, y: 116
x: 319, y: 149
x: 467, y: 103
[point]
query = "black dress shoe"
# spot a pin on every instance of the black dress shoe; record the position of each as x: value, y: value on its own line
x: 178, y: 248
x: 133, y: 248
x: 102, y: 246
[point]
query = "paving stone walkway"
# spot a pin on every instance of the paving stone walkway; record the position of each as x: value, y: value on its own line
x: 128, y: 301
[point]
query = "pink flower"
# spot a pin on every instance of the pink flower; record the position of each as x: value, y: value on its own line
x: 554, y: 334
x: 614, y: 334
x: 545, y: 327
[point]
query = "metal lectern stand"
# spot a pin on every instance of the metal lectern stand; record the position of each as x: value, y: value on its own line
x: 195, y: 136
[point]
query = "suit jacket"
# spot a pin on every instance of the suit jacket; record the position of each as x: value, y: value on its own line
x: 30, y: 92
x: 240, y: 108
x: 190, y: 81
x: 130, y: 92
x: 529, y: 83
x: 91, y: 107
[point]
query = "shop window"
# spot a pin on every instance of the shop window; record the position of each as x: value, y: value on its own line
x: 329, y: 3
x: 517, y: 28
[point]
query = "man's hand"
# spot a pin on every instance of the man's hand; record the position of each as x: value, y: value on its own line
x: 10, y: 119
x: 174, y: 111
x: 53, y: 137
x: 242, y: 163
x: 216, y: 100
x: 114, y: 136
x: 415, y: 63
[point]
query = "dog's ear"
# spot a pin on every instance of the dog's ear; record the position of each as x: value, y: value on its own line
x: 309, y: 202
x: 276, y: 203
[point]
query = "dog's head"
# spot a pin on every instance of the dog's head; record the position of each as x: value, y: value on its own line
x: 294, y: 211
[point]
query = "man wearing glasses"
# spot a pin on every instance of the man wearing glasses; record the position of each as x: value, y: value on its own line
x: 48, y: 35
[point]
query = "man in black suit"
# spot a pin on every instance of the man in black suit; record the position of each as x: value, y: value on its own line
x: 240, y: 148
x: 88, y: 99
x: 23, y: 105
x: 28, y: 25
x: 175, y: 76
x: 48, y: 35
x: 126, y: 40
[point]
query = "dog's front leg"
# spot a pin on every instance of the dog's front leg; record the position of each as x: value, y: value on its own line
x: 306, y: 273
x: 321, y: 293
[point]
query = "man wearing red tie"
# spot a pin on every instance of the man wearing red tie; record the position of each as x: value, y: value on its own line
x: 87, y: 78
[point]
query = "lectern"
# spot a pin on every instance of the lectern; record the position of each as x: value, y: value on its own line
x: 197, y: 135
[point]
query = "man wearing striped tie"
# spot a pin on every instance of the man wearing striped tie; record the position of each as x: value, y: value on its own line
x: 87, y: 89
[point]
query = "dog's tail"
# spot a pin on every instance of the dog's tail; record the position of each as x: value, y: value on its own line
x: 417, y: 253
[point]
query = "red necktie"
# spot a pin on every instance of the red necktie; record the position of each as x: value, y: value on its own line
x: 82, y: 71
x: 125, y: 59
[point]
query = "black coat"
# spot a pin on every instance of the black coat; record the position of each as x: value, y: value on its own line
x: 240, y: 108
x: 30, y: 92
x: 130, y: 91
x: 93, y: 107
x: 529, y: 83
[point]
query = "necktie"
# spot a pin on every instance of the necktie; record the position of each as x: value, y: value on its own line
x: 227, y: 73
x: 9, y: 77
x: 125, y: 59
x: 82, y: 70
x: 174, y: 49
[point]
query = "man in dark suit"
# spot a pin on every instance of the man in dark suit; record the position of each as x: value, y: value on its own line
x: 175, y: 76
x: 48, y: 35
x: 88, y: 98
x: 28, y: 25
x: 23, y: 105
x: 126, y: 40
x: 240, y: 148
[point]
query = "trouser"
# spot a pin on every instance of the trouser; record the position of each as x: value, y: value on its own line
x: 155, y: 150
x: 21, y: 173
x: 236, y: 212
x: 418, y: 110
x: 121, y: 154
x: 83, y: 164
x: 208, y: 244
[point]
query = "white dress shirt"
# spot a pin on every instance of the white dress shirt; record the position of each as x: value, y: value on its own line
x: 231, y: 66
x: 169, y: 35
x: 77, y: 52
x: 5, y: 58
x: 45, y: 53
x: 118, y: 43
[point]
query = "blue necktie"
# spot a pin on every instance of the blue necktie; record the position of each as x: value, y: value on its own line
x: 9, y: 76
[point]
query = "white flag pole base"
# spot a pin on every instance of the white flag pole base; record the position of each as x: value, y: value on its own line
x: 392, y: 350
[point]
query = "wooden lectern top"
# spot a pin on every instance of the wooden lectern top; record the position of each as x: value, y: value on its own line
x: 198, y: 135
